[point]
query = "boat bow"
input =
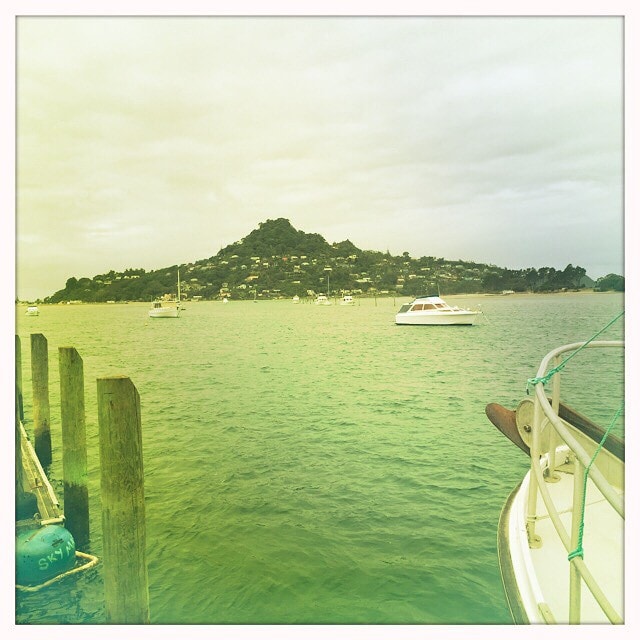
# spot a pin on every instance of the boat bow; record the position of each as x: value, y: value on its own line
x: 571, y: 499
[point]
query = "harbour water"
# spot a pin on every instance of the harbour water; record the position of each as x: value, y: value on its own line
x: 312, y: 465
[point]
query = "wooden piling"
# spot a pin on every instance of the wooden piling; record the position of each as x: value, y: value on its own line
x: 122, y: 494
x: 19, y: 398
x: 41, y: 410
x: 74, y: 445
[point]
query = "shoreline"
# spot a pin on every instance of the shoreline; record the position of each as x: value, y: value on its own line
x: 521, y: 294
x: 445, y: 296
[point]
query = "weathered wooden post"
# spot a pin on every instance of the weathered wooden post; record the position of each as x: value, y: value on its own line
x: 19, y: 399
x: 41, y: 410
x: 74, y: 445
x: 122, y: 491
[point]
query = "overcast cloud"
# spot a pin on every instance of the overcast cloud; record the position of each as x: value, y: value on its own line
x: 148, y: 142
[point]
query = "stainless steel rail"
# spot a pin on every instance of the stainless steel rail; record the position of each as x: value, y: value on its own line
x: 545, y: 414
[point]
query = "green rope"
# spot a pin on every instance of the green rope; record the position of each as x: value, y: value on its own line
x: 552, y: 372
x: 579, y: 551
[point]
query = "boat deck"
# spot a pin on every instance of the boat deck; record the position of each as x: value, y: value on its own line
x: 603, y: 538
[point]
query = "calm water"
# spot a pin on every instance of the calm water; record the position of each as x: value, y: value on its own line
x: 312, y: 464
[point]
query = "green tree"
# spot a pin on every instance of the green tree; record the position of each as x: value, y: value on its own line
x: 610, y: 282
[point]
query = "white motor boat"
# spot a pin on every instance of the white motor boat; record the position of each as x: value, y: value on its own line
x: 433, y: 310
x: 296, y: 299
x: 347, y: 301
x: 161, y: 309
x: 322, y: 300
x: 33, y: 311
x: 561, y: 531
x: 166, y: 308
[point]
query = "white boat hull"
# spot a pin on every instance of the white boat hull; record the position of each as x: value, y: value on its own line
x: 536, y: 580
x: 433, y: 310
x: 431, y: 318
x: 164, y: 312
x: 158, y: 310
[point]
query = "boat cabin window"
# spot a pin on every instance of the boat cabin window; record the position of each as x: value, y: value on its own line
x: 404, y: 308
x: 427, y: 306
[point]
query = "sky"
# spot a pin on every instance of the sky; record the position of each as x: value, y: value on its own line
x: 145, y: 142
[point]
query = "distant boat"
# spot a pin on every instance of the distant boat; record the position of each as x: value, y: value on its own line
x: 347, y: 301
x: 33, y: 311
x: 225, y: 300
x: 296, y: 299
x: 322, y: 300
x: 433, y: 310
x: 170, y: 310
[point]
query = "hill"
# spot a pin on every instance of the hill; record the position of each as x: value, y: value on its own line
x: 276, y: 260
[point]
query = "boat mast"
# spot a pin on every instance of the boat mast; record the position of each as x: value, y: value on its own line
x: 179, y: 299
x: 328, y: 272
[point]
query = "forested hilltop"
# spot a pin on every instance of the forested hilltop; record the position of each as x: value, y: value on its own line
x: 276, y: 260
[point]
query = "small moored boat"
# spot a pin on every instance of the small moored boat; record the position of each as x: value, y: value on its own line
x: 322, y: 300
x: 433, y: 310
x: 167, y: 309
x: 347, y: 301
x: 33, y: 311
x: 161, y: 310
x: 561, y: 531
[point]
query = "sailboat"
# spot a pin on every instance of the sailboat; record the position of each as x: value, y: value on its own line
x: 323, y: 300
x: 172, y: 310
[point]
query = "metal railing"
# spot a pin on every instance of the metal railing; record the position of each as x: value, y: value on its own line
x: 545, y: 415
